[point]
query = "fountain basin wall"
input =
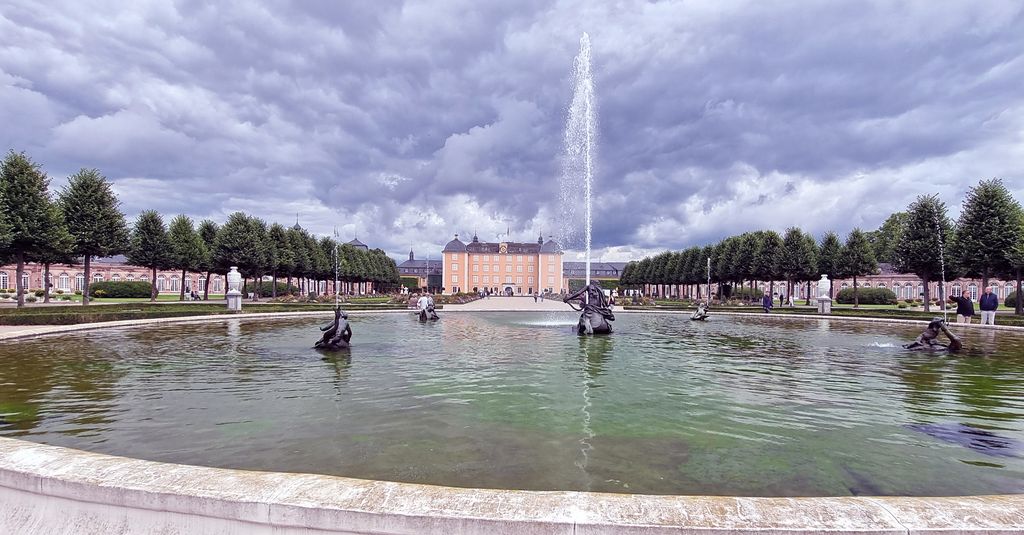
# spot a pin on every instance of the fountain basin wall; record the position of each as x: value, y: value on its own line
x: 48, y: 489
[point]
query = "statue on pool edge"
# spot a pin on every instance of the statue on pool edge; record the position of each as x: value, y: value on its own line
x: 597, y: 314
x: 929, y: 339
x: 336, y: 334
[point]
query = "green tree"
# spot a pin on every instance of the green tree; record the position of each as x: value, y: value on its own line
x: 920, y: 246
x: 884, y: 240
x: 858, y: 259
x: 830, y: 259
x: 282, y: 258
x: 301, y: 266
x: 188, y: 251
x: 97, y: 225
x: 242, y: 243
x: 56, y: 248
x: 987, y: 231
x: 1017, y: 267
x: 208, y: 233
x: 797, y: 260
x: 150, y: 246
x: 768, y: 258
x: 28, y: 212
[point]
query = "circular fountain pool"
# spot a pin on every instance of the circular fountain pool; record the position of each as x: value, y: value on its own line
x: 735, y: 406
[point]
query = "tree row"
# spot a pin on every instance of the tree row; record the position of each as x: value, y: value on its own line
x: 84, y: 221
x: 986, y: 241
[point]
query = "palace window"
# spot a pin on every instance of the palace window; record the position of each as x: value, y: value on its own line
x: 529, y: 280
x: 487, y: 268
x: 487, y: 258
x: 487, y: 279
x: 957, y: 289
x: 508, y: 268
x: 4, y: 280
x: 531, y: 259
x: 973, y: 290
x: 530, y: 268
x: 79, y: 282
x: 476, y: 267
x: 161, y: 283
x: 64, y: 282
x: 519, y: 268
x: 495, y: 269
x: 519, y: 258
x: 476, y: 279
x: 551, y: 268
x: 551, y: 280
x: 115, y: 277
x: 455, y: 278
x: 519, y: 280
x: 508, y: 279
x: 202, y: 284
x: 476, y: 257
x: 217, y: 284
x: 455, y: 267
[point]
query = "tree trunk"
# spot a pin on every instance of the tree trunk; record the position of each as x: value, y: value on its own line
x: 831, y: 295
x: 927, y: 294
x: 46, y: 282
x: 856, y: 295
x: 984, y: 280
x: 273, y: 289
x: 206, y: 287
x: 88, y: 278
x: 19, y: 271
x: 1020, y: 296
x: 288, y: 284
x: 808, y: 302
x: 153, y: 291
x: 181, y: 287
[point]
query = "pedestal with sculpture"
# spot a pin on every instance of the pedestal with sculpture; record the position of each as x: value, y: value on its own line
x: 596, y: 314
x: 824, y: 301
x: 234, y: 293
x: 336, y: 334
x: 701, y: 313
x: 929, y: 339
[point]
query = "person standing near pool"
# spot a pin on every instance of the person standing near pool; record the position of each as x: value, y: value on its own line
x: 988, y: 304
x: 766, y: 302
x: 964, y: 308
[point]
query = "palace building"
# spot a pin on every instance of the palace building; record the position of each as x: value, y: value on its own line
x: 511, y: 268
x: 426, y: 272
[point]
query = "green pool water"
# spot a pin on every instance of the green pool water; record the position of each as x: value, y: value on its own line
x: 732, y: 406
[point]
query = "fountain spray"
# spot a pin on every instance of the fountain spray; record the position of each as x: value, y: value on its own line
x: 580, y: 133
x: 942, y: 266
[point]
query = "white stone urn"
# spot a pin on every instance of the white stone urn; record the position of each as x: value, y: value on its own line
x: 824, y: 301
x: 234, y: 295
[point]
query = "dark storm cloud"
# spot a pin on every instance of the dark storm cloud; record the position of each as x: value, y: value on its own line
x: 405, y: 122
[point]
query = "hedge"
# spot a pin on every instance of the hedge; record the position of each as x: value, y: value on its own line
x: 267, y: 288
x: 120, y: 289
x: 867, y: 296
x: 1011, y: 300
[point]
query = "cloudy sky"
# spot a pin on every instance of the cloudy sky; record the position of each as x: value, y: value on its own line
x: 404, y: 122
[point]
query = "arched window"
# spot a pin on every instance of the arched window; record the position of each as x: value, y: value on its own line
x: 64, y: 282
x: 79, y: 282
x: 881, y: 285
x: 908, y: 291
x: 97, y: 277
x: 4, y: 280
x: 25, y: 281
x: 161, y: 283
x: 115, y: 277
x: 130, y: 277
x: 175, y: 283
x: 957, y: 289
x: 216, y: 284
x: 202, y: 284
x: 844, y: 286
x: 972, y: 289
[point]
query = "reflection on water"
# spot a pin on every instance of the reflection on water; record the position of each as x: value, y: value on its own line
x: 735, y: 406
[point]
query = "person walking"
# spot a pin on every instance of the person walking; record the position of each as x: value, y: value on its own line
x: 766, y: 302
x: 988, y: 304
x: 964, y: 308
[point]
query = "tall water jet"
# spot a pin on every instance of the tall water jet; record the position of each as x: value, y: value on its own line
x: 580, y: 134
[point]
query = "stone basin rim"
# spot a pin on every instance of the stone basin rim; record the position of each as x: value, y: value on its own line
x: 98, y: 491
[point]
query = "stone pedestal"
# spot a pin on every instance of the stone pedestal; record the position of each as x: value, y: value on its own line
x: 234, y: 295
x: 824, y: 305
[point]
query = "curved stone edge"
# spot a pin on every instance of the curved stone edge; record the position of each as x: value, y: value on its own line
x: 46, y: 489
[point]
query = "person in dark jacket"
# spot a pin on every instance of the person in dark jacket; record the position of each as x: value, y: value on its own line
x: 964, y: 308
x: 988, y: 304
x: 766, y: 302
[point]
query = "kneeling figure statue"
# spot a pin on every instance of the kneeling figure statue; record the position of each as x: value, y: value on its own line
x: 336, y: 334
x: 701, y: 313
x: 425, y: 304
x: 929, y: 339
x: 597, y: 314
